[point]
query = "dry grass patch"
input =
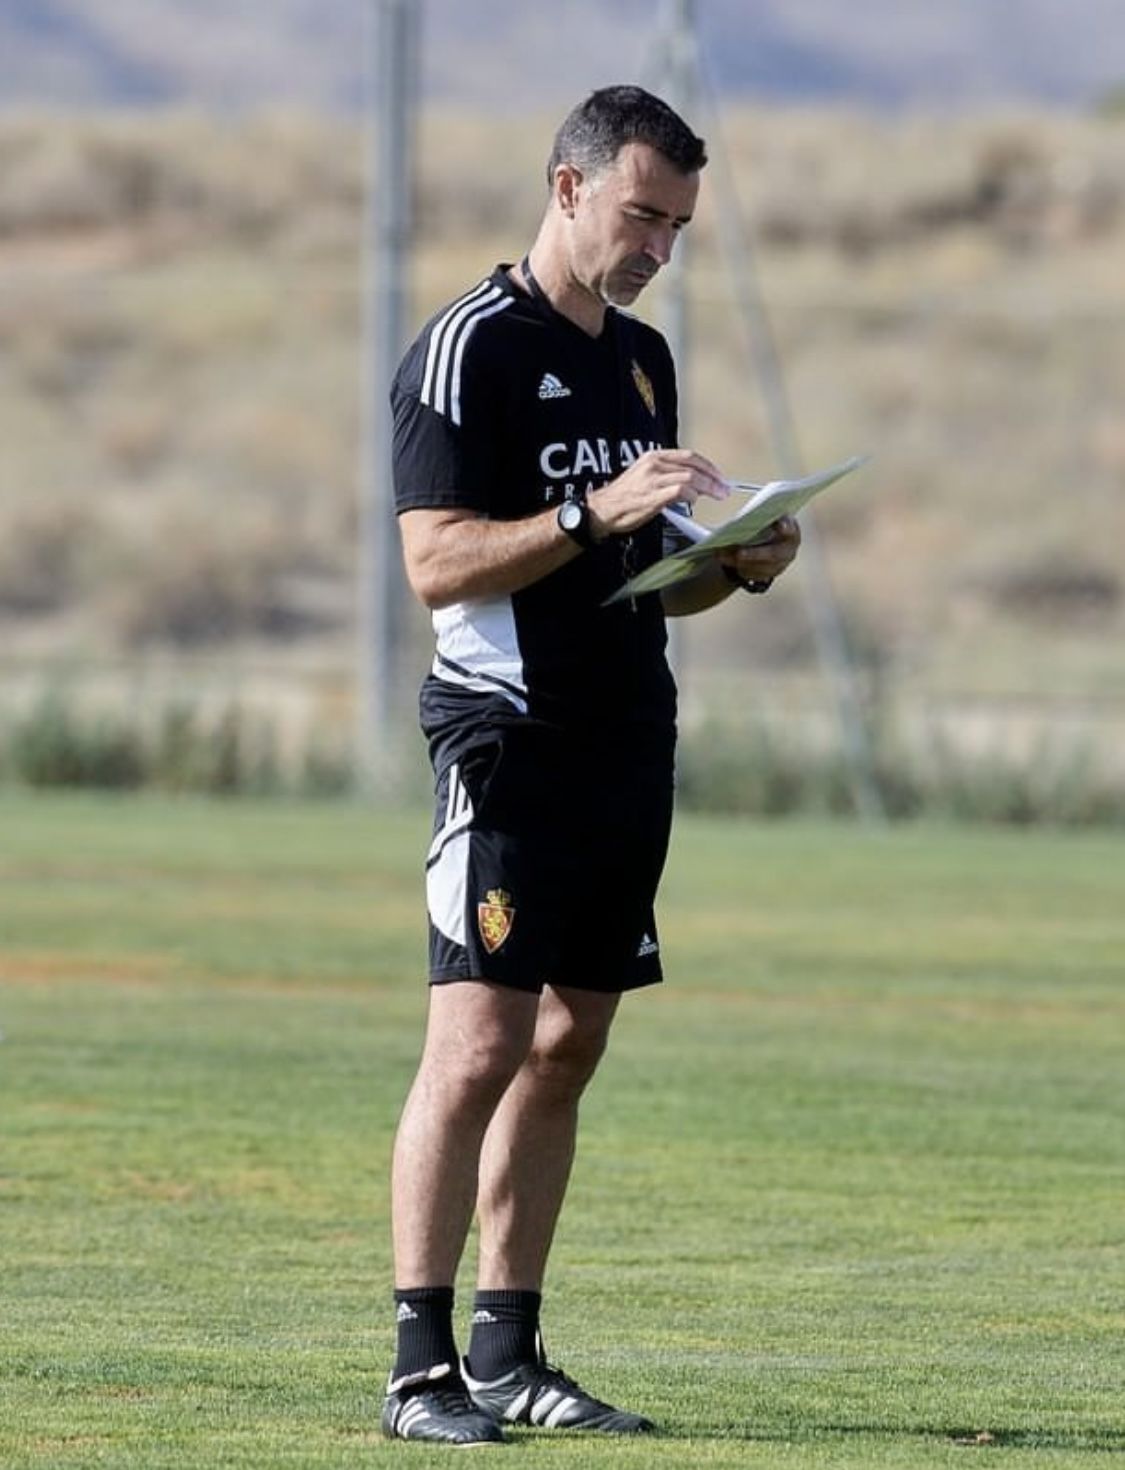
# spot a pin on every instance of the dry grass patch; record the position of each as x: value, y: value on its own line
x: 179, y: 401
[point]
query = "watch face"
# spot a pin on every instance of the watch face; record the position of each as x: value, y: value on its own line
x: 570, y: 515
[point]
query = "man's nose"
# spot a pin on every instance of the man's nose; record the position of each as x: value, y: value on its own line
x: 660, y: 244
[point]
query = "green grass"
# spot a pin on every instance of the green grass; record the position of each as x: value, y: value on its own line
x: 850, y: 1185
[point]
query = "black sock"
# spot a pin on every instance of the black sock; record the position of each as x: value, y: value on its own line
x: 505, y: 1332
x: 425, y: 1330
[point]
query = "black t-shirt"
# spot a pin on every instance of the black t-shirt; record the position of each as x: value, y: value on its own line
x: 504, y: 407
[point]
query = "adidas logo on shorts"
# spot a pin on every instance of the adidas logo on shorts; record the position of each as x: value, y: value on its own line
x: 552, y: 387
x: 647, y: 946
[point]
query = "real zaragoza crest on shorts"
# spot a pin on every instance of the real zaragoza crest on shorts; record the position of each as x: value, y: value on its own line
x: 494, y: 918
x: 644, y: 387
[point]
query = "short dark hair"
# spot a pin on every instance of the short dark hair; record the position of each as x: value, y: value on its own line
x: 594, y: 133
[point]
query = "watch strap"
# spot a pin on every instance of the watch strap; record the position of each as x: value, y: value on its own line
x: 580, y: 533
x: 747, y: 586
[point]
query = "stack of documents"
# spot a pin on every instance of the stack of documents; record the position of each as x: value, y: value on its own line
x: 767, y: 504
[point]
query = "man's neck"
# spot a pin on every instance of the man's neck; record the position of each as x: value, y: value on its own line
x: 567, y: 295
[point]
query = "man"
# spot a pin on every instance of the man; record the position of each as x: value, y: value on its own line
x: 535, y: 434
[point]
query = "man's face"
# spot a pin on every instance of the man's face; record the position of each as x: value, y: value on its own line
x: 625, y: 222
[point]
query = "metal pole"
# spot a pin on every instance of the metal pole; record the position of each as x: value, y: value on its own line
x: 389, y: 221
x: 680, y: 93
x: 678, y: 66
x: 678, y: 88
x: 828, y: 628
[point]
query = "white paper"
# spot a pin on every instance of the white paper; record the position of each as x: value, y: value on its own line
x: 767, y: 504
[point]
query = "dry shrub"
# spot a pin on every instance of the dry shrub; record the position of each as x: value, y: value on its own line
x: 984, y: 379
x: 63, y: 350
x: 281, y: 444
x: 193, y: 579
x: 461, y: 196
x: 859, y: 189
x: 136, y: 434
x: 49, y: 186
x: 246, y: 181
x: 61, y: 178
x: 1058, y: 589
x: 41, y: 554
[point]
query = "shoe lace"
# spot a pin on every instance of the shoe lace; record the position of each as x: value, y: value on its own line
x: 451, y: 1398
x: 551, y: 1377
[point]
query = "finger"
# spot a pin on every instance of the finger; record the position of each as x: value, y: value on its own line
x: 782, y: 532
x: 702, y: 481
x: 684, y: 484
x: 764, y: 561
x: 715, y: 489
x: 680, y: 493
x: 709, y: 479
x: 716, y: 483
x: 787, y: 529
x: 761, y: 553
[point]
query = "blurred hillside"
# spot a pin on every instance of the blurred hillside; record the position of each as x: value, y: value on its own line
x: 179, y: 309
x: 238, y: 54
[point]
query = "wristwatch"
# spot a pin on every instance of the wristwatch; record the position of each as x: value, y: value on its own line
x: 747, y: 586
x: 573, y: 517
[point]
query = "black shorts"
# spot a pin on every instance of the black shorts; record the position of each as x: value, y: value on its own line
x: 545, y: 861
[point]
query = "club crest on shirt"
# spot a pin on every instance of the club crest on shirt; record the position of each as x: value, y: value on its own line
x: 644, y: 387
x: 494, y: 918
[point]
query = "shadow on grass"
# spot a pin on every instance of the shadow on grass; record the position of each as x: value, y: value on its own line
x: 1089, y: 1441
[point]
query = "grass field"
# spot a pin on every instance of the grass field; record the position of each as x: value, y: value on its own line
x: 852, y: 1189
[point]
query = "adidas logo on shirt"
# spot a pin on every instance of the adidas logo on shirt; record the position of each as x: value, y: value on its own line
x: 552, y: 387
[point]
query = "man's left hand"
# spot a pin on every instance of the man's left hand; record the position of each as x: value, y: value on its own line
x: 765, y: 560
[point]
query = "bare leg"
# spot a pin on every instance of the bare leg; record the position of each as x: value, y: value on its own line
x: 477, y: 1036
x: 529, y: 1146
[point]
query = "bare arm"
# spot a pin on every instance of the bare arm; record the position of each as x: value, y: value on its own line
x: 457, y: 555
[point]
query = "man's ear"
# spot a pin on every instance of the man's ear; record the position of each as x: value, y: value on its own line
x: 568, y: 179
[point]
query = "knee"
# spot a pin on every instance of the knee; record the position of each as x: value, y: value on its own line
x: 474, y: 1072
x: 477, y: 1037
x: 565, y: 1060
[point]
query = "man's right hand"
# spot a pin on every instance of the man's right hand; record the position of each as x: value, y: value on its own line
x: 659, y: 478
